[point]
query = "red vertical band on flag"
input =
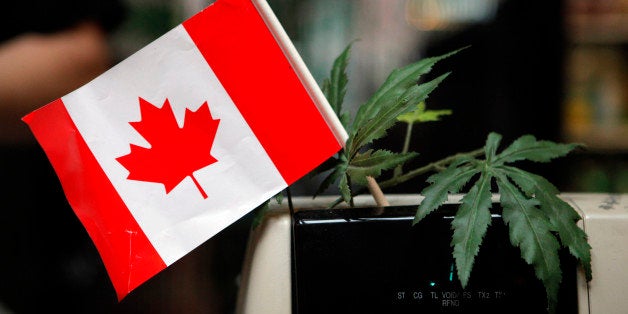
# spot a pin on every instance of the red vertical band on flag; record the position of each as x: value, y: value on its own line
x: 242, y: 52
x: 127, y: 253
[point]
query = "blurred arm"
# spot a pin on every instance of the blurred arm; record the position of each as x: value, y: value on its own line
x: 38, y: 68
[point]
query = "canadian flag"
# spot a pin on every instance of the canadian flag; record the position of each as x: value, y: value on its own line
x: 186, y: 136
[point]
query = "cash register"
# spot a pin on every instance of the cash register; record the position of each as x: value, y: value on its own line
x: 371, y: 260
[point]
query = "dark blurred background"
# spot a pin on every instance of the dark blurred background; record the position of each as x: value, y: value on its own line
x: 554, y: 69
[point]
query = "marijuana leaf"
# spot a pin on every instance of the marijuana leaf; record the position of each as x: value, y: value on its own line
x: 470, y: 224
x: 339, y: 169
x: 261, y: 210
x: 371, y: 163
x: 490, y: 148
x: 443, y: 183
x: 395, y: 85
x: 536, y: 217
x: 531, y: 231
x: 420, y: 114
x: 399, y: 93
x: 539, y: 222
x: 335, y: 87
x: 561, y: 215
x: 527, y: 147
x: 175, y: 151
x: 373, y: 124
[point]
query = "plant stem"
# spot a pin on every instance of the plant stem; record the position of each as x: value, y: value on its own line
x: 406, y: 141
x: 376, y: 191
x: 406, y: 146
x: 434, y: 166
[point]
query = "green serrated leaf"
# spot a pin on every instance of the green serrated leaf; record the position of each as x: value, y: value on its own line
x: 387, y: 115
x: 571, y: 236
x: 344, y: 119
x: 420, y: 114
x: 371, y: 163
x: 561, y: 215
x: 450, y: 180
x: 325, y: 87
x: 470, y: 224
x: 260, y: 212
x: 395, y: 85
x: 335, y: 87
x: 345, y: 189
x: 531, y: 232
x: 339, y: 170
x: 333, y: 165
x: 527, y: 147
x: 278, y: 198
x: 492, y: 143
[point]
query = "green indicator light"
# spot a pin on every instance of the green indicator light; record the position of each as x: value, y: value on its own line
x: 451, y: 272
x: 432, y: 284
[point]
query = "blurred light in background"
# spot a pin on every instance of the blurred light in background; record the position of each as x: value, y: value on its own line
x: 432, y: 15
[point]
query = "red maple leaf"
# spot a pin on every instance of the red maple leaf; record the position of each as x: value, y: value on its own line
x: 175, y: 152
